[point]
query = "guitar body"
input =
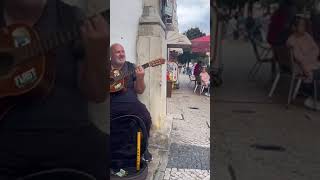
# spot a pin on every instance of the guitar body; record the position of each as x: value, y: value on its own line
x: 22, y: 77
x: 116, y: 85
x: 27, y: 66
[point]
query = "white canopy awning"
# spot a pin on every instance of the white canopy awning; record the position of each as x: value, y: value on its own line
x: 177, y: 40
x: 179, y: 50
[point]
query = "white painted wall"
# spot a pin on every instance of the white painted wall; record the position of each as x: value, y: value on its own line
x: 124, y: 22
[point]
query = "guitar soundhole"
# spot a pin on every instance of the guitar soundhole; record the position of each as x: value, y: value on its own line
x: 6, y: 62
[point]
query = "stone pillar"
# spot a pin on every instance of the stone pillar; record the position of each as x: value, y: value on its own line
x: 151, y: 44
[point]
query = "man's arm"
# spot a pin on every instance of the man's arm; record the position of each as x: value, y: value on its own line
x: 93, y: 81
x: 93, y: 73
x: 139, y: 85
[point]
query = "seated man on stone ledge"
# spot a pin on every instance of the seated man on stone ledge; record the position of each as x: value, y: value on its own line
x: 126, y: 102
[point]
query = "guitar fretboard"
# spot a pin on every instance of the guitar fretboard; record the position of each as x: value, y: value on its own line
x: 43, y: 46
x: 128, y: 73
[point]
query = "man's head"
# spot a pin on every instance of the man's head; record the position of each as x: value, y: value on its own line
x: 118, y: 55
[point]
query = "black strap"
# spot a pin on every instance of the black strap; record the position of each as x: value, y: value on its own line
x: 131, y: 67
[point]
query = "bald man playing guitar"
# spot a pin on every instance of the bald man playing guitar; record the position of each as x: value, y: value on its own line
x: 53, y: 131
x: 125, y: 102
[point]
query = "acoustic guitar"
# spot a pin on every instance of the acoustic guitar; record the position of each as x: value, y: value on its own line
x: 118, y: 79
x: 27, y: 64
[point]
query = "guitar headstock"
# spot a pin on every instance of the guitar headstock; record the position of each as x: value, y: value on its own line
x: 157, y: 62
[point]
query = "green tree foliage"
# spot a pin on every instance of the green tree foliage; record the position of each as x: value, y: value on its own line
x: 193, y: 33
x: 187, y: 55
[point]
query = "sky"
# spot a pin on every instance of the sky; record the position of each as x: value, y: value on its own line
x: 194, y: 13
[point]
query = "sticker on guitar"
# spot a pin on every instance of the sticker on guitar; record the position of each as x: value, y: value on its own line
x: 21, y: 37
x: 25, y: 78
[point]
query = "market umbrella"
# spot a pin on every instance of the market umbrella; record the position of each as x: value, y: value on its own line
x: 201, y: 44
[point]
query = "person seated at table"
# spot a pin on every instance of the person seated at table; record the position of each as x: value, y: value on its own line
x: 306, y: 53
x: 305, y: 50
x: 205, y: 78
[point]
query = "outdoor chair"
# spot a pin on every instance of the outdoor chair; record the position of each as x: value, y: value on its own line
x: 316, y: 80
x: 197, y: 84
x: 288, y: 68
x: 204, y: 87
x: 263, y: 54
x: 192, y: 79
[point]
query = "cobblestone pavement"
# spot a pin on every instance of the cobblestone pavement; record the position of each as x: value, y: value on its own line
x: 188, y: 157
x: 189, y: 154
x: 185, y: 174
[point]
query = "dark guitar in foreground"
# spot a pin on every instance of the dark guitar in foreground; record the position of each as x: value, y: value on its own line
x: 27, y: 63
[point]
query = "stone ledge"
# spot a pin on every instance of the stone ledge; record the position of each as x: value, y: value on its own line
x: 152, y: 20
x: 159, y: 144
x: 160, y: 138
x: 157, y: 167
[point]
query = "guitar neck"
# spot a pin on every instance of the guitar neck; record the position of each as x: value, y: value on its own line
x: 55, y: 40
x: 144, y: 66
